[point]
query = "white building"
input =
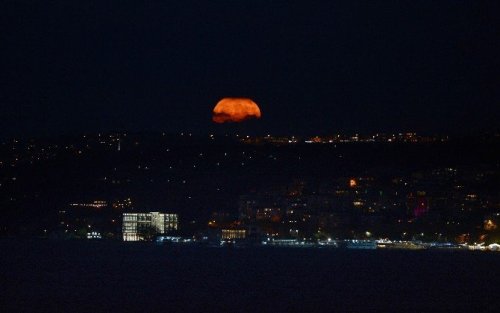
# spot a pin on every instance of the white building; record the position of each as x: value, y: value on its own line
x: 137, y: 226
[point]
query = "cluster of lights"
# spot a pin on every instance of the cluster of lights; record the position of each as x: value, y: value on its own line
x: 98, y: 204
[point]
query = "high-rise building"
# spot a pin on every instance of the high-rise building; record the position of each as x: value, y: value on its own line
x: 142, y: 226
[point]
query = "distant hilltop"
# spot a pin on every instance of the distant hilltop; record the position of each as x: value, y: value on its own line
x: 115, y: 137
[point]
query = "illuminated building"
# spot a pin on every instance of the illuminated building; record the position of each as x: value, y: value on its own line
x: 140, y: 226
x: 231, y: 234
x: 358, y: 203
x: 94, y: 235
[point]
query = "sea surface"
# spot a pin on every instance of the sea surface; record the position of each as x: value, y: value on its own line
x: 80, y: 276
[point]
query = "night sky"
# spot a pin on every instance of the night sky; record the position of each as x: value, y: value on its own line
x: 314, y: 67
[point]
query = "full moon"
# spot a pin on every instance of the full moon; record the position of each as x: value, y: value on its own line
x: 235, y: 110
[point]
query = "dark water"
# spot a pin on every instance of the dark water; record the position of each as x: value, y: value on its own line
x: 44, y: 276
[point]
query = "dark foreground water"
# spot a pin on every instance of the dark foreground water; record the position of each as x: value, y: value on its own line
x: 44, y: 276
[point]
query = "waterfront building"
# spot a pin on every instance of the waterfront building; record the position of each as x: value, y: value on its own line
x: 143, y: 226
x: 232, y: 234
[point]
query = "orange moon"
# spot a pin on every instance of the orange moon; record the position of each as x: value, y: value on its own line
x: 235, y: 110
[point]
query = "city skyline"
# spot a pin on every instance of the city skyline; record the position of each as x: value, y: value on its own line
x: 395, y: 186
